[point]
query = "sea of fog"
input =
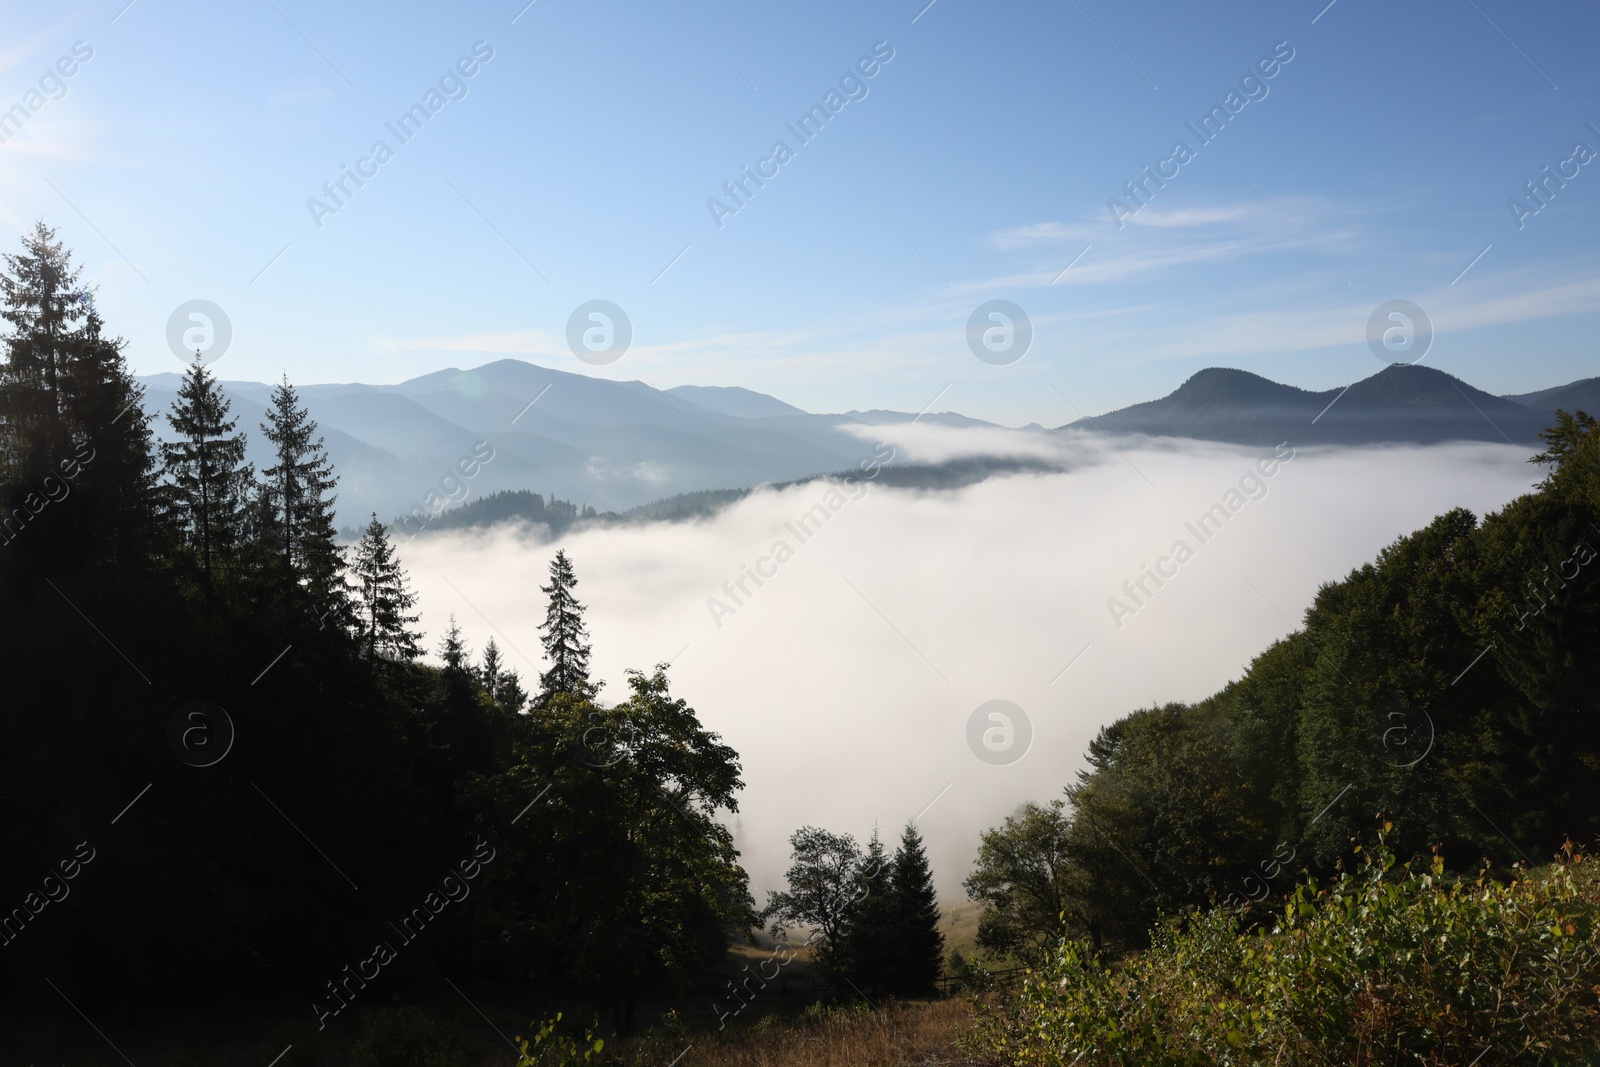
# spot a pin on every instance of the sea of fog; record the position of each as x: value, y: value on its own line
x: 846, y: 680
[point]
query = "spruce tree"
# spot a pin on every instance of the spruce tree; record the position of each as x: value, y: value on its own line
x: 919, y: 946
x: 43, y: 303
x: 117, y: 492
x: 463, y: 720
x: 492, y: 671
x: 453, y: 650
x: 870, y: 935
x: 206, y: 470
x: 297, y: 498
x: 499, y: 681
x: 70, y: 413
x: 565, y: 637
x: 383, y: 598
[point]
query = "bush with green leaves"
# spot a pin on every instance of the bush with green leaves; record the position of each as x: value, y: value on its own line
x: 406, y: 1037
x: 556, y: 1046
x: 1394, y: 963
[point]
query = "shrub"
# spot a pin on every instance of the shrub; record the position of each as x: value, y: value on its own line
x: 406, y: 1037
x: 551, y: 1048
x: 1395, y: 963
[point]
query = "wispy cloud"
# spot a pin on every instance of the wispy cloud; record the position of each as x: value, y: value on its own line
x: 1158, y: 240
x: 1239, y: 217
x: 1040, y: 233
x: 1299, y: 324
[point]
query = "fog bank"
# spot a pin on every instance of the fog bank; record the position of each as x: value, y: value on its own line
x: 846, y: 677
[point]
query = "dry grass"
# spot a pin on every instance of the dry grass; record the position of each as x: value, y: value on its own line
x: 959, y: 924
x: 912, y: 1034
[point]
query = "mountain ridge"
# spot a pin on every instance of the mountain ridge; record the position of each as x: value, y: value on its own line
x: 617, y: 446
x: 1398, y: 404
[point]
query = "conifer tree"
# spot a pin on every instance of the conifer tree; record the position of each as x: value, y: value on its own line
x: 499, y: 681
x: 919, y: 946
x: 383, y: 598
x: 565, y: 637
x: 492, y: 672
x: 206, y: 468
x: 297, y: 500
x: 453, y: 650
x: 870, y: 937
x: 118, y: 496
x: 71, y: 424
x: 511, y: 695
x: 43, y: 304
x: 464, y: 724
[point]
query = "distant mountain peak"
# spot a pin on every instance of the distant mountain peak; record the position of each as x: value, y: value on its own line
x: 1230, y: 385
x: 1401, y: 403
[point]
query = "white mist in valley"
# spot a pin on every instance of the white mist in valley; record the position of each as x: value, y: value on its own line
x: 845, y: 679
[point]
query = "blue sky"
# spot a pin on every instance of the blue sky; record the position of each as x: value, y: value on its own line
x: 1376, y: 164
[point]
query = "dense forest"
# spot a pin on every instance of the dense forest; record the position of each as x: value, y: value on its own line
x: 1449, y: 687
x: 560, y: 516
x: 230, y: 759
x: 219, y: 725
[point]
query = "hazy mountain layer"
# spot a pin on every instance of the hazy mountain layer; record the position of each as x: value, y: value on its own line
x: 613, y: 446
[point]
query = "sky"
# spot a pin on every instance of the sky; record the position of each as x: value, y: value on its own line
x: 585, y: 154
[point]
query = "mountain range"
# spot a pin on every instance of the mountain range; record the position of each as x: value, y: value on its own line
x: 1398, y: 404
x: 609, y: 445
x: 617, y: 445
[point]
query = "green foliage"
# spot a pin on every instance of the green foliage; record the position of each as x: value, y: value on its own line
x: 819, y: 1014
x: 825, y: 884
x: 551, y: 1047
x: 406, y: 1037
x: 1450, y: 684
x: 874, y: 919
x: 618, y: 880
x: 1161, y: 815
x: 1393, y: 963
x: 1020, y: 875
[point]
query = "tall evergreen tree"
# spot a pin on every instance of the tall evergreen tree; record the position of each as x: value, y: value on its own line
x: 500, y: 681
x: 453, y: 650
x: 71, y: 424
x: 870, y: 950
x: 492, y: 673
x: 44, y: 305
x: 297, y: 500
x: 566, y: 639
x: 463, y: 719
x: 383, y: 598
x: 117, y: 492
x: 207, y: 473
x: 919, y: 946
